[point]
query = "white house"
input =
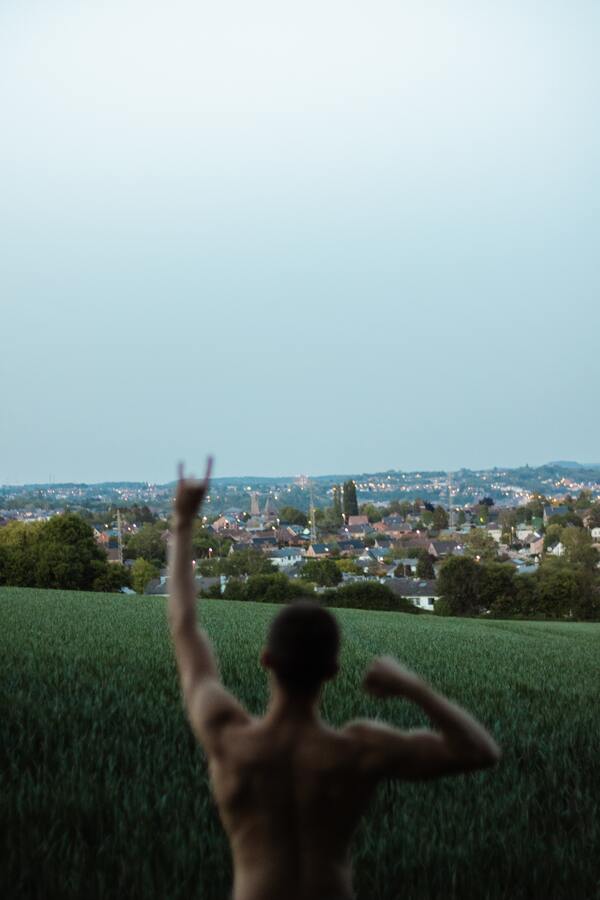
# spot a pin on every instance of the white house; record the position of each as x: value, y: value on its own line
x: 421, y: 592
x: 286, y: 557
x: 495, y: 531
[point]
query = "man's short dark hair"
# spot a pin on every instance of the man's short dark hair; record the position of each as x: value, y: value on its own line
x: 303, y: 644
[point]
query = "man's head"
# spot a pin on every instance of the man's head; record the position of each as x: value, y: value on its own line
x: 302, y: 647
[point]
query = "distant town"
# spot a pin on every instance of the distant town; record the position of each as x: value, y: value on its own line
x: 507, y: 487
x: 396, y: 529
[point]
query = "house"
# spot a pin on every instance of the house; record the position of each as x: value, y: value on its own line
x: 287, y: 535
x: 366, y: 560
x: 358, y: 520
x: 557, y: 550
x: 224, y: 523
x: 286, y: 557
x: 318, y: 551
x: 379, y: 554
x: 159, y: 587
x: 421, y: 592
x: 441, y: 549
x: 264, y: 542
x: 536, y: 547
x: 595, y: 534
x: 395, y: 528
x: 494, y: 530
x: 394, y: 520
x: 409, y: 565
x: 357, y: 530
x: 350, y: 546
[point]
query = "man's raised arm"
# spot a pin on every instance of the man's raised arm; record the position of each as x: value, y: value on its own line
x: 459, y: 743
x: 209, y: 705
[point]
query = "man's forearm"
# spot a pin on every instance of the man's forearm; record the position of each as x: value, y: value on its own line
x: 460, y: 729
x: 192, y: 647
x: 182, y: 589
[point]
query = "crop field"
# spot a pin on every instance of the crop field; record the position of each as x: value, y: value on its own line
x: 103, y: 793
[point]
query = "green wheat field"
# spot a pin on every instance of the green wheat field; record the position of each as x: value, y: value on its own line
x: 103, y: 793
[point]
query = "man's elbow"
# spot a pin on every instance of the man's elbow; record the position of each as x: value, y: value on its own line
x: 486, y: 756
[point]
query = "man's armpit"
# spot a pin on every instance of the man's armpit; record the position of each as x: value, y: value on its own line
x: 211, y: 708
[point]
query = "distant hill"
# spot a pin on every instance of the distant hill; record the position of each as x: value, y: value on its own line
x: 571, y: 464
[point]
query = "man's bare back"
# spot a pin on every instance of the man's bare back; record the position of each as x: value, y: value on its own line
x: 290, y: 795
x: 291, y: 790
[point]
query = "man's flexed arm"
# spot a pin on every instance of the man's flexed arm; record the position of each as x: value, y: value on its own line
x: 459, y: 743
x: 209, y: 705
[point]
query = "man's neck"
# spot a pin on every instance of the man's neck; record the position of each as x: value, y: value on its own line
x: 298, y: 707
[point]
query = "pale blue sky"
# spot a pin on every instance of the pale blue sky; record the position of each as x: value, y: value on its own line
x: 318, y: 237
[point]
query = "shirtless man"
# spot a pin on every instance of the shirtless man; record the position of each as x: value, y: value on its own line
x: 291, y: 790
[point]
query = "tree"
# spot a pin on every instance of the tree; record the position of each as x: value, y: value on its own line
x: 293, y: 516
x: 67, y: 555
x: 481, y: 512
x: 142, y: 572
x: 535, y: 506
x: 328, y: 519
x: 273, y: 589
x: 337, y: 504
x: 579, y: 550
x: 594, y: 518
x: 461, y: 517
x: 480, y: 544
x: 568, y: 518
x: 497, y: 585
x: 367, y: 595
x: 149, y: 543
x: 552, y: 536
x: 208, y: 544
x: 112, y: 579
x: 60, y: 553
x: 584, y: 500
x: 244, y: 562
x: 132, y: 514
x: 458, y: 584
x: 508, y: 519
x: 372, y: 512
x: 350, y: 501
x: 18, y: 541
x: 558, y: 589
x: 324, y: 572
x: 440, y: 518
x: 399, y: 507
x: 424, y: 564
x: 349, y: 565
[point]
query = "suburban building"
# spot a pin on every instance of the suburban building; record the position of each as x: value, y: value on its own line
x: 318, y: 551
x: 421, y: 592
x: 286, y: 557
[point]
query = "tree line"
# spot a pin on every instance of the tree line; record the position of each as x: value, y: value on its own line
x: 60, y: 553
x: 559, y: 589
